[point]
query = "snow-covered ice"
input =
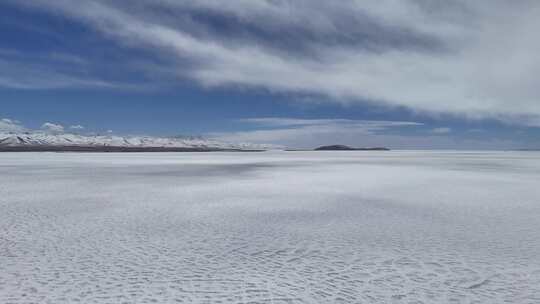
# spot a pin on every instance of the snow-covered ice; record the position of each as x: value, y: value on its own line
x: 271, y: 227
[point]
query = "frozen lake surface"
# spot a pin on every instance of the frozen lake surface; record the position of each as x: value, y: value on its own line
x: 272, y: 227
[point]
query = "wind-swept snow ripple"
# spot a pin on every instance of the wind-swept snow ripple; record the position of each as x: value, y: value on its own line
x: 273, y: 227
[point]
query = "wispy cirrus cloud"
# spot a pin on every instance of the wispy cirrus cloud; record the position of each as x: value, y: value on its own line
x: 441, y: 130
x: 476, y: 59
x: 310, y: 133
x: 296, y: 132
x: 45, y: 72
x: 364, y: 125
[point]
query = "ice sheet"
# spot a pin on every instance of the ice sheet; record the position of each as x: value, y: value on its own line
x: 273, y: 227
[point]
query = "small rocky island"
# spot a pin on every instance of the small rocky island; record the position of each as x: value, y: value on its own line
x: 347, y: 148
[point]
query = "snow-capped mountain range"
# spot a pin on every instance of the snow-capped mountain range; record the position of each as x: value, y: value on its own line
x: 38, y: 139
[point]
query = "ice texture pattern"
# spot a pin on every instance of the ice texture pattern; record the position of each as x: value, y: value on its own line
x: 270, y: 227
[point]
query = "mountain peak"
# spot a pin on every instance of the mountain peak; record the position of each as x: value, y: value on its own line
x: 43, y: 141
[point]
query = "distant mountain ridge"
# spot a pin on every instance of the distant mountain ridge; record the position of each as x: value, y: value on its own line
x: 43, y: 141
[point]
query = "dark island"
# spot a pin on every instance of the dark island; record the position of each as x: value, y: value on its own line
x: 347, y: 148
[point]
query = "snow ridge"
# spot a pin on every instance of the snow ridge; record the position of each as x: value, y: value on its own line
x: 44, y: 139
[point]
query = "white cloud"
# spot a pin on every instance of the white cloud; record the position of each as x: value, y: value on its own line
x: 487, y: 67
x: 10, y: 125
x: 442, y: 130
x: 53, y: 128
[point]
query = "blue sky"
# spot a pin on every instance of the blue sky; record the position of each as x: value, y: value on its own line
x: 403, y: 74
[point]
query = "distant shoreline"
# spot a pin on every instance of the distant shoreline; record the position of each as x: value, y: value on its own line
x: 113, y: 149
